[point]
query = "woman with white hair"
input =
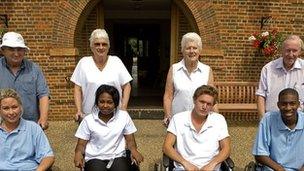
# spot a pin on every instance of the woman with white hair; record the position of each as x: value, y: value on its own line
x: 185, y: 76
x: 101, y: 68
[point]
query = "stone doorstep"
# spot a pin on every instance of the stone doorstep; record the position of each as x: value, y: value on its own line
x: 146, y: 113
x: 158, y: 114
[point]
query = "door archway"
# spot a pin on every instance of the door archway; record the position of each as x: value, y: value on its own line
x: 152, y: 31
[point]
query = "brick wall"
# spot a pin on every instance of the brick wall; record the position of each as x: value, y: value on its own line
x: 83, y: 44
x: 184, y: 27
x: 224, y: 25
x: 61, y: 65
x: 238, y: 19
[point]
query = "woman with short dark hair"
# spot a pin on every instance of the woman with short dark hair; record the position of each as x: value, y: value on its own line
x: 104, y: 134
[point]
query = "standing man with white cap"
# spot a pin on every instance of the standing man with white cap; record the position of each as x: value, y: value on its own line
x: 25, y: 77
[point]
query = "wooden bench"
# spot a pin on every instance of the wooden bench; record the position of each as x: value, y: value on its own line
x: 237, y: 100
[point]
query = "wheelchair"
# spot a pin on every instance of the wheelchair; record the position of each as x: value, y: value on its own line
x: 227, y: 165
x: 133, y: 167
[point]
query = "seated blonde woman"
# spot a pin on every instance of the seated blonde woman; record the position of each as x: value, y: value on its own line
x: 23, y: 144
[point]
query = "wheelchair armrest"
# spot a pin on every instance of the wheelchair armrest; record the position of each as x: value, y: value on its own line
x: 134, y: 167
x: 251, y: 166
x: 227, y: 164
x: 166, y: 161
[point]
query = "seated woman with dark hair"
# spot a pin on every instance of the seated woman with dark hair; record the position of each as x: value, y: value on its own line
x: 23, y: 144
x: 103, y: 135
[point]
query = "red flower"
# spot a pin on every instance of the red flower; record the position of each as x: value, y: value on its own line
x: 256, y: 43
x: 267, y: 43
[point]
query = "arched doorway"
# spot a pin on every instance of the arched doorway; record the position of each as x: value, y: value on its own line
x: 139, y: 31
x: 145, y: 34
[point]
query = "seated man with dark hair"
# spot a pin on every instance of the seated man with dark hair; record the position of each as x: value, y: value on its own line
x: 200, y: 136
x: 279, y: 143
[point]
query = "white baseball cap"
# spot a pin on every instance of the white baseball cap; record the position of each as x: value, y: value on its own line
x: 14, y: 40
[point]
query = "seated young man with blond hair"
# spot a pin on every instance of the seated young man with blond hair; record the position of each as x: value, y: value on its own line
x: 200, y: 136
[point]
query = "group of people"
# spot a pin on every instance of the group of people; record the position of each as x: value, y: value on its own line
x: 102, y: 90
x: 280, y: 104
x: 197, y: 135
x: 24, y: 98
x: 279, y: 140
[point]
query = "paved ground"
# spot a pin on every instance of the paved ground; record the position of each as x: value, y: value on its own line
x: 149, y: 138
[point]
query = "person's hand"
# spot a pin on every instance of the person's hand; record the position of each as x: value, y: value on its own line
x: 136, y: 157
x: 189, y: 166
x: 78, y: 160
x: 209, y: 166
x: 43, y: 123
x: 79, y: 116
x: 281, y: 168
x: 166, y: 120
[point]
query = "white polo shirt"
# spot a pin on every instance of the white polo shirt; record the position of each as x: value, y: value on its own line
x: 89, y: 78
x: 105, y: 140
x: 197, y: 148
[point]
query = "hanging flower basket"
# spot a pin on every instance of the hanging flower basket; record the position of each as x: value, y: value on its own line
x: 267, y: 43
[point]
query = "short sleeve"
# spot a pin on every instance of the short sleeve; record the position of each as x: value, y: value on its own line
x: 42, y: 88
x: 78, y: 75
x: 260, y: 146
x: 223, y: 132
x: 130, y: 127
x: 43, y: 148
x: 83, y: 131
x: 172, y: 126
x: 262, y: 88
